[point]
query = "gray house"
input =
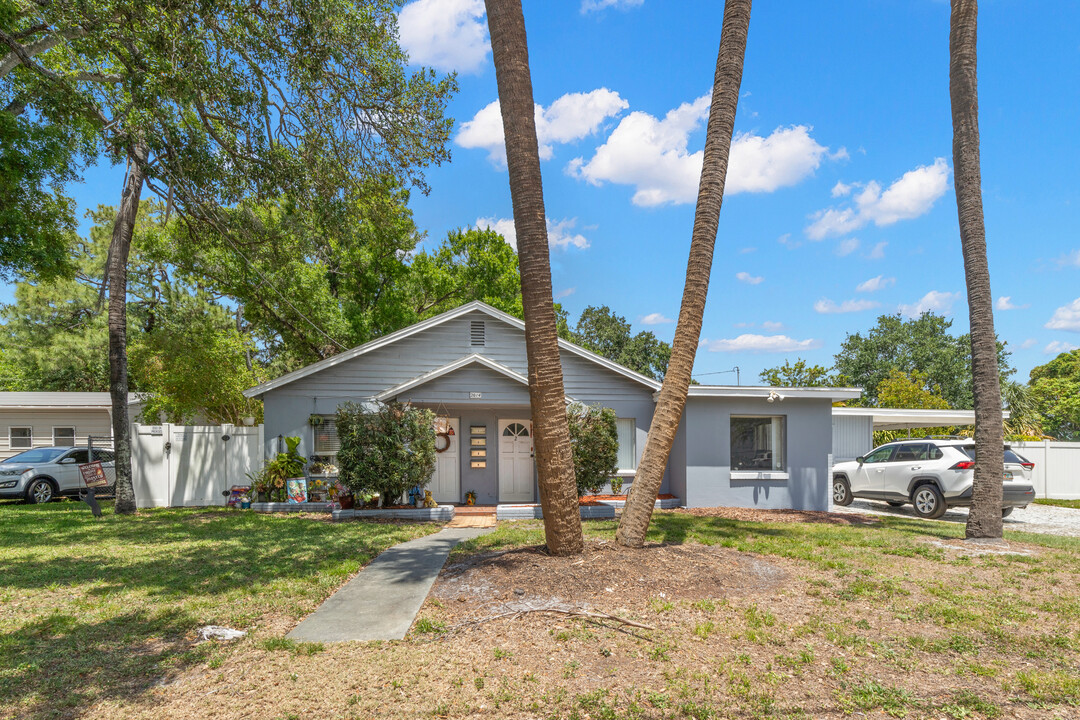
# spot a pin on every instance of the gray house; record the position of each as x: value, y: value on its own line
x: 736, y: 446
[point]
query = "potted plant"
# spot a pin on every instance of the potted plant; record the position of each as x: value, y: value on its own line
x: 315, y: 420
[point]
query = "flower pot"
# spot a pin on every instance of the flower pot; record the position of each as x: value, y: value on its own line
x: 346, y: 502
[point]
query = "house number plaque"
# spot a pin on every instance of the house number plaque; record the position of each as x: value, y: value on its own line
x: 478, y: 429
x: 479, y: 463
x: 479, y: 453
x: 477, y: 442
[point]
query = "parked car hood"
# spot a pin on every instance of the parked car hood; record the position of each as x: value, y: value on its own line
x: 14, y: 468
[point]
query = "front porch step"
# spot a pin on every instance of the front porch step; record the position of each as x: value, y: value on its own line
x: 532, y: 511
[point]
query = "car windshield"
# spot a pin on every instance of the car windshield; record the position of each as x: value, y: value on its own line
x: 36, y: 456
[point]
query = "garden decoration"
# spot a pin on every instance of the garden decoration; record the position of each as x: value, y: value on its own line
x: 443, y: 431
x: 296, y: 490
x: 470, y: 497
x: 429, y: 501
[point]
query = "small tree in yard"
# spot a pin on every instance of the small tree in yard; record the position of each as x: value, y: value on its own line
x: 594, y: 442
x: 385, y: 451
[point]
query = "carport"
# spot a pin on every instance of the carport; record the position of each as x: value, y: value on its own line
x: 854, y: 427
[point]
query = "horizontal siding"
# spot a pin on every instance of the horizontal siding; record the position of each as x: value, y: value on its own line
x: 42, y: 422
x: 852, y: 436
x: 456, y: 386
x: 404, y: 360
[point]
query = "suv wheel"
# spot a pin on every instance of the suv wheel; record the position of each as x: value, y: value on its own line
x: 1006, y: 512
x: 841, y: 491
x: 40, y: 491
x: 928, y: 502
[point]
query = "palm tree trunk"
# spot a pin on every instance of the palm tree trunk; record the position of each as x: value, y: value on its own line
x: 984, y: 520
x: 634, y: 522
x: 123, y: 229
x: 551, y: 435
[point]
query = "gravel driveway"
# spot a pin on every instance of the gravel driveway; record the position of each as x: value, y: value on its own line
x: 1046, y: 519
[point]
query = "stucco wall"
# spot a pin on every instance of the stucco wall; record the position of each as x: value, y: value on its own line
x: 707, y: 429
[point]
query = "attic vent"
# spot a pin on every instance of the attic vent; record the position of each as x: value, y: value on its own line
x: 476, y: 333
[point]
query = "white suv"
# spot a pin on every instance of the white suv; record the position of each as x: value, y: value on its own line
x: 932, y: 474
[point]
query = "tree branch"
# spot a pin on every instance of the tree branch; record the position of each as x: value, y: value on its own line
x: 22, y: 54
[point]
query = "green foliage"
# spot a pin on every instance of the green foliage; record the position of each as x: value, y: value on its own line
x: 921, y: 344
x: 599, y: 329
x: 910, y: 390
x: 193, y: 361
x: 271, y: 478
x: 594, y: 441
x: 800, y: 374
x: 1055, y: 392
x: 387, y: 450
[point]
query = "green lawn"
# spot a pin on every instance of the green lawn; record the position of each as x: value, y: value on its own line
x: 99, y: 609
x: 1059, y: 503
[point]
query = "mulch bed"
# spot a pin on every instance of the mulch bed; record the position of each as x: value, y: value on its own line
x: 606, y: 573
x: 781, y: 516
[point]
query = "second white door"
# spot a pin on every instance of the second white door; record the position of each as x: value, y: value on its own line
x: 445, y: 483
x: 515, y: 461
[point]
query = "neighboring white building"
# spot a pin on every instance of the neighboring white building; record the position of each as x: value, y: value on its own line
x: 45, y: 419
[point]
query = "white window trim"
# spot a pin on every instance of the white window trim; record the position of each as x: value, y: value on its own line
x: 762, y: 474
x: 74, y: 437
x: 11, y: 446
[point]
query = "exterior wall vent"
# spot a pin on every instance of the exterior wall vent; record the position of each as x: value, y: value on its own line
x: 476, y: 333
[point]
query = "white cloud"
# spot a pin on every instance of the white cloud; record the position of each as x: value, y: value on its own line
x: 560, y: 232
x: 652, y: 155
x: 878, y: 252
x: 933, y: 301
x: 841, y: 189
x: 571, y: 117
x: 1059, y: 346
x: 761, y: 344
x: 561, y: 235
x: 655, y: 319
x: 565, y: 293
x: 828, y: 307
x: 875, y: 283
x: 1066, y: 317
x: 847, y: 246
x: 1072, y: 258
x: 787, y: 242
x: 446, y: 34
x: 748, y: 278
x: 1029, y: 343
x: 594, y: 5
x: 747, y: 250
x: 1005, y: 303
x: 772, y: 326
x: 912, y: 195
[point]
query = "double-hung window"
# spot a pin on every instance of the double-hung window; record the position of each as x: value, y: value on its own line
x: 63, y: 436
x: 326, y: 439
x: 20, y: 438
x: 758, y: 443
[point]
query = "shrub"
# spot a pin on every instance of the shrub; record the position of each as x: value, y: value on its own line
x: 594, y: 439
x: 271, y: 478
x: 387, y: 450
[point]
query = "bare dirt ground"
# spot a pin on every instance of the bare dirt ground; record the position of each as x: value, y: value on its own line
x: 888, y: 626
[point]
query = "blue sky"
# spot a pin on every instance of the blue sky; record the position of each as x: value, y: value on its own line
x: 839, y: 203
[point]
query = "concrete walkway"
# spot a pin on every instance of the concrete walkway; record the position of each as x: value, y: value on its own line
x: 381, y: 602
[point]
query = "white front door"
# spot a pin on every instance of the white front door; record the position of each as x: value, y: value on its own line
x: 445, y: 483
x: 515, y: 461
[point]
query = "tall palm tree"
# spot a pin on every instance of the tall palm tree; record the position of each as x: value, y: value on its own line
x: 669, y: 408
x: 551, y: 435
x: 116, y: 278
x: 984, y: 520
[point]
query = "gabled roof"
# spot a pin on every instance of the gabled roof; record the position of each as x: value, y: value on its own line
x: 473, y: 359
x: 419, y: 327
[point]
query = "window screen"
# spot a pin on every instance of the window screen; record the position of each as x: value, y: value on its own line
x: 757, y: 443
x: 63, y: 436
x: 326, y: 438
x: 627, y: 443
x: 20, y: 438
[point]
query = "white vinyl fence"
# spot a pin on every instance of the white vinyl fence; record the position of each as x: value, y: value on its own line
x: 1057, y: 467
x: 192, y: 465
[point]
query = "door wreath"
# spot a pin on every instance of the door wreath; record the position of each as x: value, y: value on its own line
x: 446, y: 445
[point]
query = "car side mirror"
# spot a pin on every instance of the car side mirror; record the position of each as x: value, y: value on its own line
x: 860, y: 459
x: 67, y: 461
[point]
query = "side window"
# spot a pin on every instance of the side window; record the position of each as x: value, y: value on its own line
x: 81, y: 456
x: 880, y: 455
x: 20, y: 438
x: 935, y: 453
x: 911, y: 452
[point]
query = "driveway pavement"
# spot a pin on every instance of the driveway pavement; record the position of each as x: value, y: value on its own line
x: 1046, y: 519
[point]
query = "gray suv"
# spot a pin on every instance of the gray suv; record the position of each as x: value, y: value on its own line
x: 40, y: 474
x: 932, y: 474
